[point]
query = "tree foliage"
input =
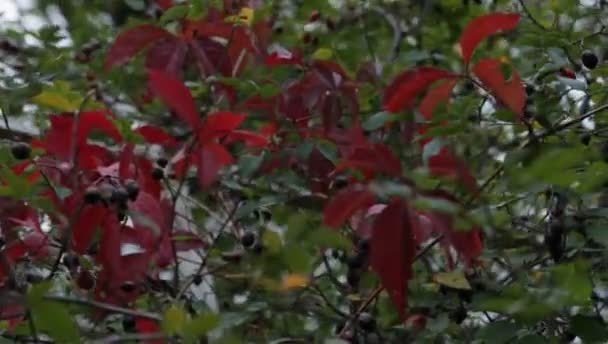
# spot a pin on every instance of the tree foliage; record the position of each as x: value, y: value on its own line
x: 304, y: 171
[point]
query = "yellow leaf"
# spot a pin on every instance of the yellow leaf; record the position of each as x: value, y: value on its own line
x: 174, y: 320
x: 454, y: 279
x: 292, y: 281
x: 323, y: 54
x: 245, y: 17
x: 55, y: 101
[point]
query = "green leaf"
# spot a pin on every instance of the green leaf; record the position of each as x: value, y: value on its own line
x: 200, y: 326
x: 174, y: 320
x: 272, y: 241
x: 323, y: 54
x: 590, y: 329
x: 296, y: 258
x: 53, y: 318
x: 599, y: 233
x: 249, y: 163
x: 174, y: 13
x: 327, y: 237
x: 378, y: 120
x: 454, y: 279
x: 498, y: 332
x: 572, y: 282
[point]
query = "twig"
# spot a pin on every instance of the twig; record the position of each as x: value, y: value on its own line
x: 397, y: 32
x: 531, y: 17
x: 134, y: 337
x: 32, y: 326
x: 103, y: 306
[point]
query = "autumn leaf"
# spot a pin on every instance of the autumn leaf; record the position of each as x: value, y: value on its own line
x: 345, y: 203
x: 393, y: 251
x: 511, y: 92
x: 400, y: 93
x: 483, y: 26
x: 176, y: 95
x: 131, y: 41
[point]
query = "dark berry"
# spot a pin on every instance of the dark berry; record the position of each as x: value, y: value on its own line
x: 119, y: 196
x: 306, y: 38
x: 353, y: 277
x: 71, y: 261
x: 21, y: 150
x: 158, y: 173
x: 128, y: 287
x: 336, y: 254
x: 589, y: 59
x: 314, y: 16
x: 248, y: 239
x: 530, y: 89
x: 162, y: 162
x: 586, y: 139
x: 604, y: 150
x: 363, y: 245
x: 356, y: 261
x: 340, y: 182
x: 197, y: 279
x: 128, y: 323
x: 554, y: 240
x: 331, y: 24
x: 568, y: 336
x: 132, y: 189
x: 92, y: 195
x: 85, y: 280
x: 33, y: 277
x: 465, y: 295
x: 458, y: 315
x: 258, y: 248
x: 367, y: 322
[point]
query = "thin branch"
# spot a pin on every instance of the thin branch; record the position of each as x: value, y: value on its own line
x: 102, y: 306
x: 531, y: 17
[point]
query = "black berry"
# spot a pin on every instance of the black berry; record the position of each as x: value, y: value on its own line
x: 353, y: 277
x: 258, y: 248
x: 21, y: 150
x: 33, y: 277
x: 363, y: 245
x: 85, y: 280
x: 340, y: 182
x: 248, y: 239
x: 128, y: 323
x: 604, y: 150
x: 458, y: 315
x: 132, y: 189
x: 71, y: 261
x: 158, y: 173
x: 92, y: 195
x: 128, y: 287
x: 119, y: 196
x: 197, y: 279
x: 162, y: 162
x: 367, y: 322
x: 356, y: 261
x: 589, y: 59
x: 586, y: 139
x: 530, y: 89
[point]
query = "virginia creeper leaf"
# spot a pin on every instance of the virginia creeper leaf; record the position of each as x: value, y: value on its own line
x: 482, y: 27
x: 345, y: 203
x: 176, y: 95
x: 406, y: 86
x: 393, y: 251
x: 130, y: 42
x: 511, y: 92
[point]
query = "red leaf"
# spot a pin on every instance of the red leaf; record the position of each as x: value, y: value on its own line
x: 282, y: 56
x: 145, y: 325
x: 176, y: 95
x: 251, y: 138
x: 220, y: 123
x: 126, y: 159
x: 405, y: 87
x: 393, y: 251
x: 437, y: 94
x: 482, y: 27
x: 345, y: 203
x: 130, y: 42
x: 213, y: 157
x: 88, y: 221
x: 155, y: 135
x: 167, y: 56
x: 445, y: 163
x: 164, y: 4
x: 511, y: 93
